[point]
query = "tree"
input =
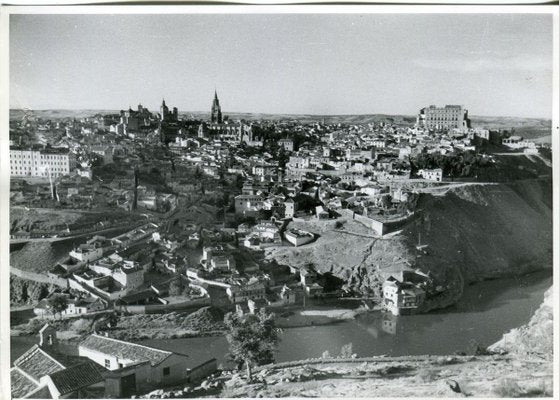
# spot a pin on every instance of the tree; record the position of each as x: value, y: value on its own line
x: 252, y: 339
x: 58, y: 304
x: 386, y: 201
x: 346, y: 350
x: 175, y: 287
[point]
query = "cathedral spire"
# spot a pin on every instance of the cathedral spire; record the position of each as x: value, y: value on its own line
x: 216, y: 110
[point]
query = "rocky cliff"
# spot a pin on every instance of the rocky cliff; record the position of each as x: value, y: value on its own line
x: 533, y: 339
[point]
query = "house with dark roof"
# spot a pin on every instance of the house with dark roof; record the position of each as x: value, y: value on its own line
x: 46, y: 373
x: 135, y: 368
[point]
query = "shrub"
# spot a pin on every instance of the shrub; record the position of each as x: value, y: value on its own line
x: 34, y: 325
x: 347, y: 350
x: 81, y: 325
x: 478, y: 349
x: 507, y: 387
x: 427, y: 375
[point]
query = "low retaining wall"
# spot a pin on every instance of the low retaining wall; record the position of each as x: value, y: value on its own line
x: 42, y: 278
x: 379, y: 227
x: 377, y: 359
x: 202, y: 371
x: 160, y: 308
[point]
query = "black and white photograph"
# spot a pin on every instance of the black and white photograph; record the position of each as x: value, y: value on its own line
x: 262, y: 202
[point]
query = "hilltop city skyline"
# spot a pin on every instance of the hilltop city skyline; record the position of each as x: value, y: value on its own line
x: 493, y: 64
x: 244, y: 205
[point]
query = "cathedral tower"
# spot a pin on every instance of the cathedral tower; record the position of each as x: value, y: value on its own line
x: 164, y: 111
x: 216, y: 111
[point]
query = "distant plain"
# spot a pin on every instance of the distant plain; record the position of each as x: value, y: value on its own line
x: 526, y: 127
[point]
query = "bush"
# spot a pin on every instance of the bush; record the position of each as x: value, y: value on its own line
x: 339, y: 225
x: 507, y: 387
x: 347, y: 350
x: 81, y: 325
x: 34, y: 325
x: 477, y: 349
x: 427, y: 375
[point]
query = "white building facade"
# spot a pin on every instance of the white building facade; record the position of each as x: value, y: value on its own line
x: 38, y: 163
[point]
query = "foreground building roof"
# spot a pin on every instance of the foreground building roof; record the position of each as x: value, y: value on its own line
x: 125, y: 350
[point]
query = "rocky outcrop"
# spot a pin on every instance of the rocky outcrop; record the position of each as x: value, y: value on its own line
x: 533, y: 339
x: 23, y: 291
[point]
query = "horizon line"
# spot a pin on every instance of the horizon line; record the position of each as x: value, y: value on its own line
x: 279, y: 114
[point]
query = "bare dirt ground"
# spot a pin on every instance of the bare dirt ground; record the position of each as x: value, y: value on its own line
x: 339, y: 250
x: 484, y: 376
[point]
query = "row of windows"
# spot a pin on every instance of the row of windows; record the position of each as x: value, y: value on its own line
x: 441, y: 119
x: 43, y: 156
x: 28, y: 173
x: 53, y: 170
x: 36, y: 162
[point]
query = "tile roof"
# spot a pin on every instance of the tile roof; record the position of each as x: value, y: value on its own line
x: 37, y: 363
x: 124, y: 350
x: 21, y: 384
x: 79, y: 376
x: 42, y: 392
x: 66, y: 359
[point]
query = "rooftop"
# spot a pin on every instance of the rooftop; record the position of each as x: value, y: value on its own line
x: 124, y: 350
x: 21, y: 384
x: 37, y: 363
x: 79, y: 376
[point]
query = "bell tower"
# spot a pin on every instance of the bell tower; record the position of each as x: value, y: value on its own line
x: 164, y: 111
x: 216, y: 110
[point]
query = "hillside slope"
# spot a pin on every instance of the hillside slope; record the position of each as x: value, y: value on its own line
x: 482, y: 232
x: 473, y: 233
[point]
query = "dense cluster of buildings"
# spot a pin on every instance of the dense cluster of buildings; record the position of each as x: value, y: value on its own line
x: 200, y: 200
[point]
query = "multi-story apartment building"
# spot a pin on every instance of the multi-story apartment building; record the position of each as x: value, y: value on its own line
x: 447, y: 117
x: 39, y: 162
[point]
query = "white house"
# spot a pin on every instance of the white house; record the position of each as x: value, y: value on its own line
x: 298, y: 237
x: 435, y: 175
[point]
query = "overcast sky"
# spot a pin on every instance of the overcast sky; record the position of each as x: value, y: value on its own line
x: 303, y: 64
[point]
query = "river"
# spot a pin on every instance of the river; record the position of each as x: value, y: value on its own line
x: 486, y: 311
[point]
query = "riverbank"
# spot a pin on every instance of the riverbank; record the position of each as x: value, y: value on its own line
x: 207, y: 321
x: 523, y: 368
x: 485, y: 312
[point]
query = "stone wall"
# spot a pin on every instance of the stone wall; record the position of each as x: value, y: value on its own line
x: 42, y: 278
